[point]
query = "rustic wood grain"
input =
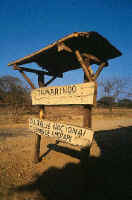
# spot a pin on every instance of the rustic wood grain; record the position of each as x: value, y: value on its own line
x: 87, y: 117
x: 62, y: 46
x: 63, y: 95
x: 80, y: 59
x: 27, y: 79
x: 102, y: 65
x: 41, y: 115
x: 65, y: 133
x: 36, y: 71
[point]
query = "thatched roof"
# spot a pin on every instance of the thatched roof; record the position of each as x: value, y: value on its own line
x: 58, y: 61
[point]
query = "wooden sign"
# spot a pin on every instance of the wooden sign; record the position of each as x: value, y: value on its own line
x: 61, y: 132
x: 62, y: 95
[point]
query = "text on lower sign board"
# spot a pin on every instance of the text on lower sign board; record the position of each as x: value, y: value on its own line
x: 62, y: 132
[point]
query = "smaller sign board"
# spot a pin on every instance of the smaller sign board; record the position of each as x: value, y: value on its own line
x: 62, y: 132
x: 64, y: 95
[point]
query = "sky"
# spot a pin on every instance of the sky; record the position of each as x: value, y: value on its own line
x: 29, y: 25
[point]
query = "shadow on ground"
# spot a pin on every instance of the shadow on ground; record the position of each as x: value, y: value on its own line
x: 108, y: 177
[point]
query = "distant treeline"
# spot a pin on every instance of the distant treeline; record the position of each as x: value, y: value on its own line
x: 13, y: 91
x: 110, y: 102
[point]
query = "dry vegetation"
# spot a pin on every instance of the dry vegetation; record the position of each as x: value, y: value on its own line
x: 65, y: 172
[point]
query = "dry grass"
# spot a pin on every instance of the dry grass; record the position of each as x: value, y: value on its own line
x: 66, y: 172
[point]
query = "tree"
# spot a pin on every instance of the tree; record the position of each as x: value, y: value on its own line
x: 16, y: 94
x: 106, y: 101
x: 114, y: 88
x: 125, y: 103
x: 13, y: 90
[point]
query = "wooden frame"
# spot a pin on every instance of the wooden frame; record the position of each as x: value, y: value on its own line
x: 68, y: 53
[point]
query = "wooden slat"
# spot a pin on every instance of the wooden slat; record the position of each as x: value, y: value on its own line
x: 65, y: 133
x: 62, y: 95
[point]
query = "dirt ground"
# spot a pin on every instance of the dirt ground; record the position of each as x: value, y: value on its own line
x: 67, y: 172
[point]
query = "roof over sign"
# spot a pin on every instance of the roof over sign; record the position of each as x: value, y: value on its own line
x: 56, y: 59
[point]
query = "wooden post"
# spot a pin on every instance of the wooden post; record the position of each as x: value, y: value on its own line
x: 87, y: 77
x: 87, y: 121
x: 48, y: 82
x: 81, y: 61
x: 102, y: 65
x: 41, y: 115
x: 25, y: 76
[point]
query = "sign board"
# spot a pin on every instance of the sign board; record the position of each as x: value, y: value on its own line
x: 62, y: 132
x: 62, y: 95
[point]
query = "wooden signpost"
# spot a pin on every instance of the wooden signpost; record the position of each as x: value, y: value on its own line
x: 64, y: 95
x: 77, y: 50
x: 65, y: 133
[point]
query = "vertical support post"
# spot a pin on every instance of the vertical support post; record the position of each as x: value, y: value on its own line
x: 85, y: 69
x: 41, y: 115
x: 87, y: 121
x: 87, y: 77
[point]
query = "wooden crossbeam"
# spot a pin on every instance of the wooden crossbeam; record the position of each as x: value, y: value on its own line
x: 102, y: 65
x: 87, y: 61
x: 91, y: 57
x: 81, y: 61
x: 15, y: 67
x: 62, y: 46
x: 25, y: 76
x: 48, y: 82
x: 27, y: 79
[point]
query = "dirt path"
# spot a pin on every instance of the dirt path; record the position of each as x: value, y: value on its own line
x: 65, y: 172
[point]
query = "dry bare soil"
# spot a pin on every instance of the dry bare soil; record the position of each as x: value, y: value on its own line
x: 67, y: 172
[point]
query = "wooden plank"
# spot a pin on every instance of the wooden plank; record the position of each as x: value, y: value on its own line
x: 62, y: 95
x: 62, y: 132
